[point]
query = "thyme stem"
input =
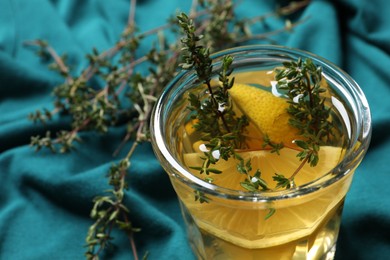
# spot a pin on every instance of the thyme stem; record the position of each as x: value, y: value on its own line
x: 303, y: 162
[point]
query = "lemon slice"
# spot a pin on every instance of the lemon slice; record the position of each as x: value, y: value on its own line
x: 269, y: 164
x: 266, y: 111
x: 244, y: 224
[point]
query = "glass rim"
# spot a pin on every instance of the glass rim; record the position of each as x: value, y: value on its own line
x: 176, y: 170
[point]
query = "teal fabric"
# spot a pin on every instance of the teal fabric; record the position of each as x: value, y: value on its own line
x: 45, y: 199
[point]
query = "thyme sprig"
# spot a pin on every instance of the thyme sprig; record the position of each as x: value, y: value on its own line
x: 309, y: 114
x: 301, y: 80
x: 221, y: 129
x: 126, y: 97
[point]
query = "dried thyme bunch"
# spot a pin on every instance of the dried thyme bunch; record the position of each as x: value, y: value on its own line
x: 127, y: 97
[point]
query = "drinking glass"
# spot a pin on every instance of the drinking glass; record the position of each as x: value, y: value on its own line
x: 235, y: 223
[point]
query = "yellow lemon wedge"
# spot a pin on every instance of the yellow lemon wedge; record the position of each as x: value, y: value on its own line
x: 266, y: 111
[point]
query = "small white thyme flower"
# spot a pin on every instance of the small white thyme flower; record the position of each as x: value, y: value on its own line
x: 221, y: 107
x: 203, y: 148
x: 216, y: 154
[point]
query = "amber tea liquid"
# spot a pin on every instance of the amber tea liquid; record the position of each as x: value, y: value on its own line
x: 303, y: 227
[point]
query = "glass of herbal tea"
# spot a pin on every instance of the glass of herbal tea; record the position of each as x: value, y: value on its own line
x: 262, y: 156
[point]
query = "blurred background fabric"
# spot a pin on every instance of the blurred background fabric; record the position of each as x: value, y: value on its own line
x: 45, y: 198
